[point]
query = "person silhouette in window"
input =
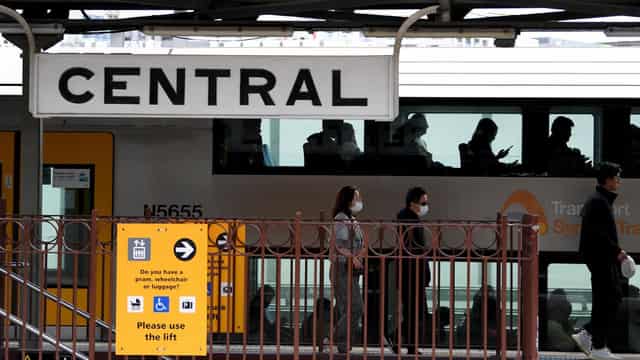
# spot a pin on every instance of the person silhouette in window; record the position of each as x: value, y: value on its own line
x: 410, y: 153
x: 477, y: 323
x: 561, y: 159
x: 317, y: 321
x: 322, y: 149
x: 477, y: 157
x: 559, y: 326
x: 349, y: 149
x: 241, y: 146
x: 258, y: 314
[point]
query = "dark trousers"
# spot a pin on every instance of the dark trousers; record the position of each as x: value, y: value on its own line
x: 606, y: 296
x: 347, y: 328
x: 413, y: 293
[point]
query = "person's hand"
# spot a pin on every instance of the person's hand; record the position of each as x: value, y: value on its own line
x: 622, y: 256
x: 357, y: 263
x: 503, y: 153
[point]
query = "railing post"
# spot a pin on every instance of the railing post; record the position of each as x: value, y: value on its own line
x: 324, y: 236
x: 502, y: 284
x: 93, y: 240
x: 530, y: 287
x: 296, y: 312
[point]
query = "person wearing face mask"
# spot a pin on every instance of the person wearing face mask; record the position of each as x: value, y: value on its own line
x: 347, y: 266
x: 416, y: 275
x: 601, y: 252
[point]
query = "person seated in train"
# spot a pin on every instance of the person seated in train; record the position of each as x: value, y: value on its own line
x: 258, y: 314
x: 442, y: 321
x: 412, y: 154
x: 319, y: 321
x: 349, y: 149
x: 631, y: 314
x: 477, y: 323
x: 560, y: 158
x: 322, y: 149
x: 477, y: 157
x: 243, y: 148
x: 625, y: 337
x: 559, y: 326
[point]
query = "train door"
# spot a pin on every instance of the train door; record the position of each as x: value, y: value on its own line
x: 7, y: 168
x: 77, y: 177
x: 7, y: 196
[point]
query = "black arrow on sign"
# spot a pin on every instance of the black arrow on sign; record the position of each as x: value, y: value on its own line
x: 184, y: 249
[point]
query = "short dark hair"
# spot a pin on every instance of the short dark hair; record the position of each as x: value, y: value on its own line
x: 413, y: 195
x: 343, y: 200
x: 561, y: 122
x: 607, y: 170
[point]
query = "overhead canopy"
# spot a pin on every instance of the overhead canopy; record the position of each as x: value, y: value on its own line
x: 331, y: 14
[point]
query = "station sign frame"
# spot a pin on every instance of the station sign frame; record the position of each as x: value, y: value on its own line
x: 345, y: 87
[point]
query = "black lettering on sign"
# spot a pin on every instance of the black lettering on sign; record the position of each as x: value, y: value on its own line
x: 263, y: 90
x: 213, y: 75
x: 304, y: 78
x: 63, y: 85
x: 158, y: 77
x: 110, y: 84
x: 338, y: 100
x: 173, y: 210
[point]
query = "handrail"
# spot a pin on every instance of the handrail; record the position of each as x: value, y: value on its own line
x: 53, y: 298
x: 35, y: 331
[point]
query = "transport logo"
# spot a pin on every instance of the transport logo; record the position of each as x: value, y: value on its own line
x: 531, y: 205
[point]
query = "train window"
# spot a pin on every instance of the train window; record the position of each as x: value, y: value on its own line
x: 570, y: 148
x: 568, y: 308
x: 480, y: 141
x: 294, y: 142
x: 254, y: 145
x: 635, y: 143
x: 66, y: 191
x: 278, y: 298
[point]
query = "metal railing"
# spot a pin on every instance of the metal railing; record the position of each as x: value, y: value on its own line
x: 482, y: 298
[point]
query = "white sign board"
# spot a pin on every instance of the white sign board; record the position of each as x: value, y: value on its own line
x: 71, y: 178
x: 184, y: 86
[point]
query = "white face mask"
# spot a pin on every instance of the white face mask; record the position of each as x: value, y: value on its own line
x: 424, y: 210
x: 357, y: 207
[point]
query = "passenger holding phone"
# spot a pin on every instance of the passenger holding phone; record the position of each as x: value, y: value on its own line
x: 477, y: 156
x: 504, y: 153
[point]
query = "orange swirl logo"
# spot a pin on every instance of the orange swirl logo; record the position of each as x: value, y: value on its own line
x: 530, y: 204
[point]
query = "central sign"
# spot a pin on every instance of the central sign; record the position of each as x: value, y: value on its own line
x: 300, y: 87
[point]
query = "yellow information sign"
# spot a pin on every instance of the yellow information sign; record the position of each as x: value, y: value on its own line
x: 226, y: 278
x: 161, y: 289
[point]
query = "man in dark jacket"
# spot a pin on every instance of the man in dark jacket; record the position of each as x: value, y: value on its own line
x: 415, y: 275
x: 601, y: 253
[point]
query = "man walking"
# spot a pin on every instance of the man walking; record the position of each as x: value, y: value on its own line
x: 601, y: 253
x: 415, y: 271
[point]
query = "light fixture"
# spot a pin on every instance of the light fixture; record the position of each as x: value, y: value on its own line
x: 37, y: 29
x: 622, y: 31
x: 218, y: 31
x: 496, y: 33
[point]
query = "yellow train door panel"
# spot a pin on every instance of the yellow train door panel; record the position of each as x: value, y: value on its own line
x: 78, y: 177
x: 7, y: 194
x: 7, y: 168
